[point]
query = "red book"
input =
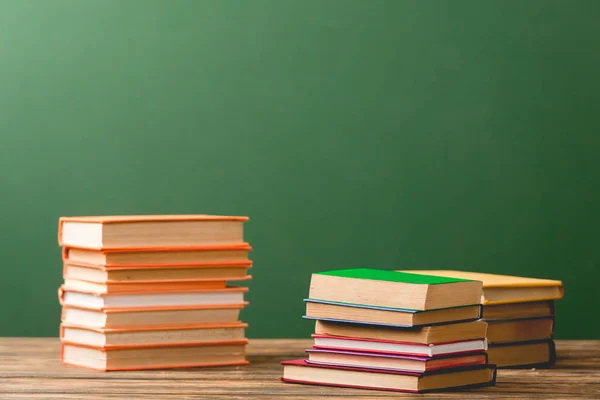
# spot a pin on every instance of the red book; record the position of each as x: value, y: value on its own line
x: 299, y: 371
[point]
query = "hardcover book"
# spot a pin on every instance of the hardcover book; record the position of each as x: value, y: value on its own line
x: 154, y: 357
x: 533, y: 309
x: 520, y: 330
x: 505, y: 289
x: 394, y: 347
x: 152, y: 336
x: 423, y: 335
x: 135, y: 317
x: 381, y: 288
x: 92, y: 299
x: 385, y: 316
x: 536, y: 354
x: 156, y: 274
x: 150, y: 231
x: 159, y: 257
x: 392, y: 362
x: 299, y: 371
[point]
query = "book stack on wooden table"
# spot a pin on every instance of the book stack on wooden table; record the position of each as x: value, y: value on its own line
x: 146, y: 292
x: 388, y: 330
x: 520, y: 313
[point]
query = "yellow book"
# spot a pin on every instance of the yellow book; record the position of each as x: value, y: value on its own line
x: 505, y: 289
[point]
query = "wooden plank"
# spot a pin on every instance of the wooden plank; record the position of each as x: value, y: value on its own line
x: 527, y: 384
x: 30, y: 368
x: 307, y: 396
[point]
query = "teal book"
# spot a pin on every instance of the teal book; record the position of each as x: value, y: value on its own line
x: 382, y: 288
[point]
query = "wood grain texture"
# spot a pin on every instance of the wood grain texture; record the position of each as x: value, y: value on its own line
x: 30, y: 369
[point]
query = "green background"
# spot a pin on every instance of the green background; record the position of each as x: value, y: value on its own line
x: 385, y: 134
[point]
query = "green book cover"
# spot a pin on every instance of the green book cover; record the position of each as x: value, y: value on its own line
x: 391, y: 276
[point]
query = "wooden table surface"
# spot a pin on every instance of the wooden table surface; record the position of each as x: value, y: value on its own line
x: 30, y: 369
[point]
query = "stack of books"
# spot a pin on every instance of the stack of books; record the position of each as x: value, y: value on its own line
x: 147, y: 292
x: 389, y: 330
x: 521, y: 317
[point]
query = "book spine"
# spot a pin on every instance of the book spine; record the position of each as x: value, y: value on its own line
x: 553, y: 313
x: 552, y: 360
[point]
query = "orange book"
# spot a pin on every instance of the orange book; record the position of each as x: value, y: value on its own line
x: 132, y: 266
x: 119, y: 358
x: 150, y: 231
x: 140, y: 287
x: 505, y: 289
x: 136, y: 317
x: 205, y: 276
x: 198, y: 256
x: 152, y: 336
x: 169, y: 296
